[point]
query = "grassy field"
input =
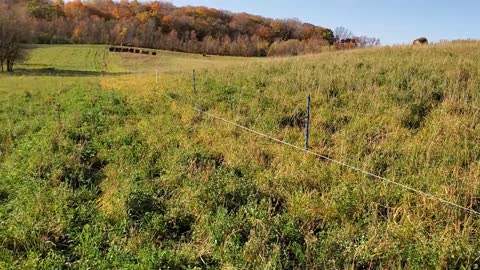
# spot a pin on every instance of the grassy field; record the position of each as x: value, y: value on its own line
x: 100, y: 168
x: 75, y: 58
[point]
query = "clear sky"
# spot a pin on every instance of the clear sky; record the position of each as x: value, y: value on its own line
x: 393, y: 21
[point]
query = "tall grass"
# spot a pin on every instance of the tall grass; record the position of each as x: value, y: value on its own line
x: 106, y: 172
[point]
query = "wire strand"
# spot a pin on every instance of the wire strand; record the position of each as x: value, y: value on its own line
x: 341, y: 163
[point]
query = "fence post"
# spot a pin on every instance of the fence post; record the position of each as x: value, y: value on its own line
x: 307, y: 123
x: 58, y: 110
x: 194, y: 82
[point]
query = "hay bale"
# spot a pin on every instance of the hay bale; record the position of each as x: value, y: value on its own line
x: 420, y: 41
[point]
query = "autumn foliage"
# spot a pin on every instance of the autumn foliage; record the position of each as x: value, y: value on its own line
x: 162, y: 25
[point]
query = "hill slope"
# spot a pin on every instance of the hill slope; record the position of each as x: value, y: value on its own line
x: 108, y: 171
x: 162, y: 25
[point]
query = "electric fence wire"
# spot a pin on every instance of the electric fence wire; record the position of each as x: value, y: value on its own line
x: 341, y: 163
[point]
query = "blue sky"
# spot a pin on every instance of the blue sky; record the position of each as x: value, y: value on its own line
x: 393, y: 21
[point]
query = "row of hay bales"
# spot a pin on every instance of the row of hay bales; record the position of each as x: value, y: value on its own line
x: 131, y: 50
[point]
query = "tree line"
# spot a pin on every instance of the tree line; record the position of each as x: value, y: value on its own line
x: 162, y: 25
x: 158, y: 25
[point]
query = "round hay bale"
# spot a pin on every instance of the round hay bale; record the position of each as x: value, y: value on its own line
x: 420, y: 41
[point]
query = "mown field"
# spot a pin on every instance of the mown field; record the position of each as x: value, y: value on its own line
x: 101, y: 167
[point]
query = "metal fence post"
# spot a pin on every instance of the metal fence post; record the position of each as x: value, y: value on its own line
x: 307, y: 123
x: 58, y: 110
x: 194, y: 82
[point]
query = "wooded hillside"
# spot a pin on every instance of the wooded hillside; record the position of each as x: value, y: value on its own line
x: 162, y: 25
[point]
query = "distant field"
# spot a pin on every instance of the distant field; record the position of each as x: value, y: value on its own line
x: 96, y: 58
x: 99, y: 168
x: 167, y: 61
x: 69, y: 58
x: 52, y: 64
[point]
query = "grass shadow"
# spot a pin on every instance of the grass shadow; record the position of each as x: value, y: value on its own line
x: 63, y: 72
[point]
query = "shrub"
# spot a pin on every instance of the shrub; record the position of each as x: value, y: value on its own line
x: 286, y: 48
